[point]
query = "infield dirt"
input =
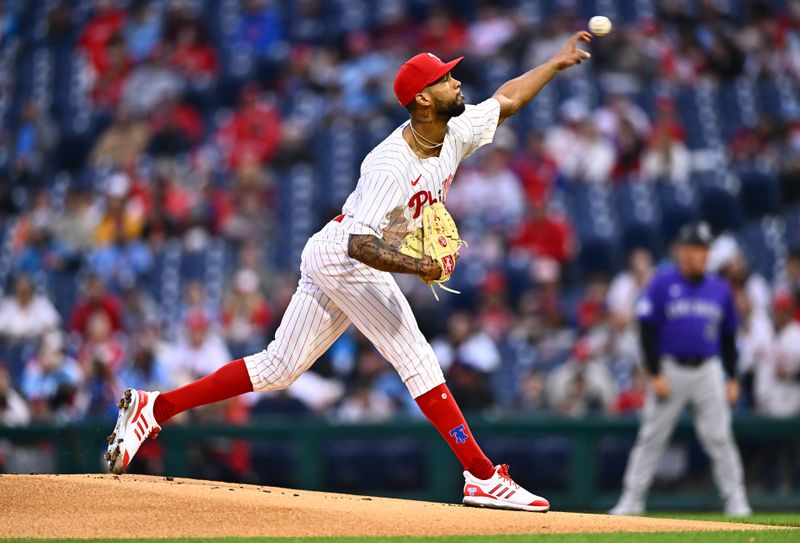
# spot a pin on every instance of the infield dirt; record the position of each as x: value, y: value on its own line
x: 130, y: 506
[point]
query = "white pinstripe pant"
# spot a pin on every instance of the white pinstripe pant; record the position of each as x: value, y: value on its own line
x: 335, y: 290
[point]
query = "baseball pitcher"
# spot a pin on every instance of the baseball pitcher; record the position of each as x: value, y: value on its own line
x: 393, y: 222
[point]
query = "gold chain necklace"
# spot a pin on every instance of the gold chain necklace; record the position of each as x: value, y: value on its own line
x: 428, y: 143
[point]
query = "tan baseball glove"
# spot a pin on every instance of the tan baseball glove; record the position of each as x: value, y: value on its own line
x: 437, y: 238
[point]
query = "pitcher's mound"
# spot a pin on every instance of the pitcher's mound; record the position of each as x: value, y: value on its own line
x: 130, y: 506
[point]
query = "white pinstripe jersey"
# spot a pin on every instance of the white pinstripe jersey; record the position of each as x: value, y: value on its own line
x: 395, y: 185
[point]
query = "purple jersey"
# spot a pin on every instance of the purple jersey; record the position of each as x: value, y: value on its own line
x: 688, y: 317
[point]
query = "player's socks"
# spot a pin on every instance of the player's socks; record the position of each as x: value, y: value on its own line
x: 230, y: 380
x: 442, y: 410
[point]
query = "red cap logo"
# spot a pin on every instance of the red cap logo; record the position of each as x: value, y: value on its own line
x: 419, y: 72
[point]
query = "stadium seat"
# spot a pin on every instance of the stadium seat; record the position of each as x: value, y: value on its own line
x: 598, y: 255
x: 720, y: 209
x: 759, y: 193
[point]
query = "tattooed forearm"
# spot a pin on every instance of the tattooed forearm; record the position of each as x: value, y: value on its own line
x: 378, y: 254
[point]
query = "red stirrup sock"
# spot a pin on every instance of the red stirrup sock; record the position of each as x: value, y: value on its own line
x: 442, y: 410
x: 230, y: 380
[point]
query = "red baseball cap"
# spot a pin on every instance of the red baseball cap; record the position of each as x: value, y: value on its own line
x: 417, y: 73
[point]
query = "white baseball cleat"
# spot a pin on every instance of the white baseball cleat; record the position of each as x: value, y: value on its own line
x: 135, y: 423
x: 501, y: 492
x: 628, y: 507
x: 738, y: 506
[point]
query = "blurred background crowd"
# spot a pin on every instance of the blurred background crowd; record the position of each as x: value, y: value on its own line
x: 163, y: 162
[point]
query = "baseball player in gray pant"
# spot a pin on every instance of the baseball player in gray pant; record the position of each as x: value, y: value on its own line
x: 687, y: 330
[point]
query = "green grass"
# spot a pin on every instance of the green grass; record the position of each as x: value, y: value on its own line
x: 791, y: 520
x: 787, y: 536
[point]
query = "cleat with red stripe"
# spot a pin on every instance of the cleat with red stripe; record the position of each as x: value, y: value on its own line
x: 501, y: 492
x: 135, y: 423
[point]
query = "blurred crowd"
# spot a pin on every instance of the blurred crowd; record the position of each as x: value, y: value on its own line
x: 192, y: 121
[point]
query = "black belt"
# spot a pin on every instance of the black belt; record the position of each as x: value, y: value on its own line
x: 691, y: 361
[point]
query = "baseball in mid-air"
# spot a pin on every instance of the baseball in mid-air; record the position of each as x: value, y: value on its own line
x: 599, y: 25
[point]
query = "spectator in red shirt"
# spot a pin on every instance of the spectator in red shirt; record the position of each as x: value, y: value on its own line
x: 591, y: 308
x: 95, y: 298
x: 253, y: 132
x: 176, y: 127
x: 112, y: 68
x: 192, y: 54
x: 535, y: 168
x: 442, y: 35
x: 666, y: 119
x: 107, y: 21
x: 396, y: 26
x: 545, y: 234
x: 100, y: 345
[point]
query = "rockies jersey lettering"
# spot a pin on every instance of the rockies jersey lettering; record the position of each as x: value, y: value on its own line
x: 698, y: 308
x: 689, y: 316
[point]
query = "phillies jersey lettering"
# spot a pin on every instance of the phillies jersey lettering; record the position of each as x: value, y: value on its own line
x: 689, y: 316
x: 395, y: 185
x: 419, y: 200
